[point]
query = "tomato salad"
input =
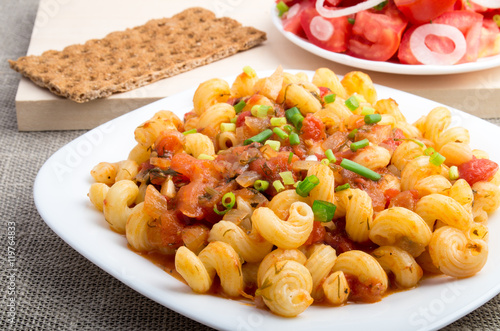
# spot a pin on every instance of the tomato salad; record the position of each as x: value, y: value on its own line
x: 444, y: 32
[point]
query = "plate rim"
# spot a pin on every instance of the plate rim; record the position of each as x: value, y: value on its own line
x: 185, y: 310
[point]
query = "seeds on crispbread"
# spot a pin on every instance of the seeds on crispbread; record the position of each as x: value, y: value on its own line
x: 129, y: 59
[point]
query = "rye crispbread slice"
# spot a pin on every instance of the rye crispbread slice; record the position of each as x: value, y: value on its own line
x: 128, y: 59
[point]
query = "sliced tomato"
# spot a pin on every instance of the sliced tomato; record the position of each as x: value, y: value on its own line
x: 376, y: 34
x: 423, y: 11
x: 291, y: 19
x: 339, y: 30
x: 477, y: 170
x: 468, y: 22
x: 469, y: 5
x: 490, y: 38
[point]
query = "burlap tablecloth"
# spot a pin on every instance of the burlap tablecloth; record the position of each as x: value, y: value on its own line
x: 55, y: 287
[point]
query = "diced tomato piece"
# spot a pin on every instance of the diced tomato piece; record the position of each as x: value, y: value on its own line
x: 313, y: 128
x: 291, y: 19
x: 368, y: 291
x: 423, y: 11
x: 376, y: 34
x: 340, y: 28
x: 324, y: 91
x: 240, y: 120
x: 317, y: 235
x: 406, y: 199
x: 477, y: 170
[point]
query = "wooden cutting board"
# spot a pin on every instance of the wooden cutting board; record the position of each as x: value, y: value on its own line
x: 60, y: 23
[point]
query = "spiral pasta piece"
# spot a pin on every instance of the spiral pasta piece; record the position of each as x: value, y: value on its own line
x: 456, y: 153
x: 319, y: 263
x: 455, y: 255
x: 432, y: 184
x: 209, y: 93
x: 373, y: 157
x: 336, y: 288
x: 402, y: 228
x: 416, y: 170
x: 251, y: 247
x: 359, y: 213
x: 297, y: 96
x: 97, y: 194
x: 243, y: 85
x: 365, y: 268
x: 405, y: 152
x: 280, y: 204
x: 104, y: 172
x: 116, y: 204
x: 435, y: 122
x: 199, y: 271
x: 434, y: 207
x: 361, y: 83
x: 147, y: 133
x: 401, y: 264
x: 457, y: 135
x: 326, y: 188
x: 291, y: 233
x: 136, y: 229
x: 324, y: 77
x: 211, y: 119
x: 198, y: 143
x: 390, y: 107
x: 286, y: 288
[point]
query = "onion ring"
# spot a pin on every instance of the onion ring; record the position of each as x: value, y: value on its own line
x: 293, y: 10
x: 321, y: 29
x: 424, y: 55
x: 487, y: 3
x: 330, y: 13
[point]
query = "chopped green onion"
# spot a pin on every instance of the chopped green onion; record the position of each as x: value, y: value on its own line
x: 429, y: 151
x: 239, y: 106
x: 373, y: 118
x: 342, y: 187
x: 227, y: 204
x: 325, y: 162
x: 232, y: 199
x: 307, y: 185
x: 278, y: 186
x: 287, y: 177
x: 278, y: 121
x: 297, y: 184
x: 259, y: 138
x: 190, y: 131
x: 290, y: 157
x: 288, y: 128
x: 260, y: 110
x: 330, y: 156
x: 352, y: 134
x: 418, y: 142
x: 359, y: 169
x: 282, y: 8
x: 280, y: 133
x: 436, y: 159
x: 205, y: 157
x: 329, y: 98
x: 380, y: 6
x: 234, y: 119
x: 225, y: 127
x: 323, y: 210
x: 351, y: 20
x: 496, y: 19
x: 261, y: 185
x: 295, y: 117
x: 294, y: 139
x: 453, y: 173
x: 367, y: 110
x: 359, y: 144
x: 275, y: 145
x: 352, y: 103
x: 249, y: 71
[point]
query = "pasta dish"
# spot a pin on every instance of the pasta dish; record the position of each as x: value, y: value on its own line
x: 290, y: 191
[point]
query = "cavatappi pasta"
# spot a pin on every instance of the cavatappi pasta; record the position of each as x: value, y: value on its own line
x: 289, y: 191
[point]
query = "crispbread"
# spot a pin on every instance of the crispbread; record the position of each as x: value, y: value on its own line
x: 128, y: 59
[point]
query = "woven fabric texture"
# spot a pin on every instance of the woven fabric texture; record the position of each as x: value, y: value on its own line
x: 55, y: 287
